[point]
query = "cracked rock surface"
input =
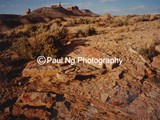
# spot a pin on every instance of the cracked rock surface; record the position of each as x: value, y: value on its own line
x: 130, y: 91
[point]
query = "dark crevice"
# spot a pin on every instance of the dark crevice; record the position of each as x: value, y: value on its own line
x: 84, y: 77
x: 8, y: 103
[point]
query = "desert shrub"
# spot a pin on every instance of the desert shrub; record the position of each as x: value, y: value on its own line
x: 78, y: 21
x: 133, y: 27
x: 86, y: 31
x: 129, y: 20
x: 106, y: 17
x: 24, y: 31
x: 46, y: 41
x: 22, y: 34
x: 123, y: 20
x: 23, y: 48
x: 58, y: 22
x: 145, y: 18
x: 156, y: 79
x: 147, y: 53
x: 117, y: 22
x: 91, y: 31
x: 71, y: 22
x: 132, y: 19
x: 154, y: 17
x: 142, y: 18
x: 2, y: 35
x: 83, y: 21
x: 104, y: 20
x: 92, y: 20
x: 42, y: 28
x: 101, y: 24
x: 118, y: 37
x: 46, y: 46
x: 31, y: 28
x: 81, y: 31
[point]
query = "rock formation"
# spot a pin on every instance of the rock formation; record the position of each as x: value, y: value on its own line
x: 73, y: 8
x: 83, y: 91
x: 27, y: 12
x: 56, y: 6
x: 44, y: 14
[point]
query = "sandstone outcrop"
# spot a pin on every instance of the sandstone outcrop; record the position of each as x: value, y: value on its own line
x: 82, y: 91
x: 157, y: 48
x: 27, y: 12
x: 89, y: 53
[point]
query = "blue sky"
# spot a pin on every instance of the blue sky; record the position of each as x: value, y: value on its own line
x: 114, y: 7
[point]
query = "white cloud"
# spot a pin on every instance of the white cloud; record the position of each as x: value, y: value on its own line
x: 7, y: 5
x: 107, y: 0
x: 156, y: 9
x: 3, y: 5
x: 132, y: 9
x: 86, y: 4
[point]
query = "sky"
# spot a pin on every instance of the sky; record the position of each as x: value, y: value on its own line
x: 114, y: 7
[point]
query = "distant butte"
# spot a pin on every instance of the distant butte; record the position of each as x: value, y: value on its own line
x: 44, y: 14
x: 60, y: 11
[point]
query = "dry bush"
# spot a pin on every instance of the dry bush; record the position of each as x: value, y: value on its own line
x: 154, y: 17
x: 46, y: 40
x: 83, y: 31
x: 106, y: 17
x: 104, y: 20
x: 83, y: 21
x: 150, y: 44
x: 92, y: 20
x: 78, y: 21
x: 147, y: 53
x: 156, y: 79
x: 118, y: 37
x: 2, y: 35
x: 133, y: 27
x: 70, y: 22
x: 143, y: 18
x: 122, y: 29
x: 119, y: 21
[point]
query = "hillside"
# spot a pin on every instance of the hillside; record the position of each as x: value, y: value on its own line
x: 82, y: 91
x: 44, y: 14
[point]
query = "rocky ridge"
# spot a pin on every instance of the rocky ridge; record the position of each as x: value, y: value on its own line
x: 86, y: 91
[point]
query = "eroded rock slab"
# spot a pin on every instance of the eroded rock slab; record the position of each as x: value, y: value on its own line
x: 34, y: 105
x: 32, y: 113
x: 36, y: 99
x: 89, y: 53
x: 34, y: 69
x: 157, y: 48
x: 156, y: 63
x: 52, y: 71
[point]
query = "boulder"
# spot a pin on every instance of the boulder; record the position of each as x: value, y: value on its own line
x: 104, y: 97
x: 47, y: 72
x: 34, y: 105
x: 156, y: 63
x: 35, y: 99
x: 34, y: 69
x: 157, y: 48
x: 89, y: 53
x: 27, y: 12
x: 31, y: 113
x: 63, y: 110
